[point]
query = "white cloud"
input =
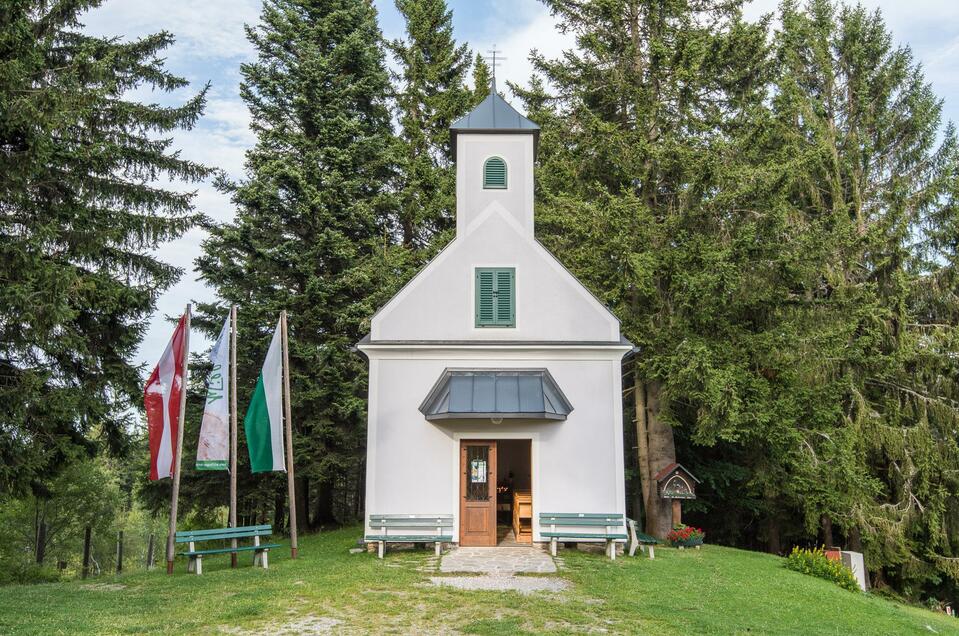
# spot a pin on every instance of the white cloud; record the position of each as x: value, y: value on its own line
x: 516, y: 29
x: 203, y: 30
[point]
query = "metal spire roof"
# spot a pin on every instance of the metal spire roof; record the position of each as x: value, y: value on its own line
x: 493, y: 115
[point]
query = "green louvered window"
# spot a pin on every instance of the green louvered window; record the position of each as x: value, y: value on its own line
x: 494, y: 173
x: 496, y: 297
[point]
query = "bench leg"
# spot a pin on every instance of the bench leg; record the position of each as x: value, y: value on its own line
x: 552, y: 546
x: 266, y: 559
x: 439, y: 548
x: 199, y: 565
x: 380, y: 549
x: 612, y: 550
x: 191, y: 566
x: 652, y: 553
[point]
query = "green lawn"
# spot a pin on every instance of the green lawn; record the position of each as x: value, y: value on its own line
x: 715, y: 591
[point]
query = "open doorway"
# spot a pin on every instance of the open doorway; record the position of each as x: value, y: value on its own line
x: 514, y: 492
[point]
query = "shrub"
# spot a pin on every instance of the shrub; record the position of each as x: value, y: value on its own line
x: 816, y: 563
x: 681, y: 533
x: 26, y: 573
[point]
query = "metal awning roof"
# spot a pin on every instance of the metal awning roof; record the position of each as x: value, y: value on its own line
x: 495, y: 393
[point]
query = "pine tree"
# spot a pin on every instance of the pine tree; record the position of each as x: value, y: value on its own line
x: 431, y: 95
x: 80, y: 218
x: 312, y: 233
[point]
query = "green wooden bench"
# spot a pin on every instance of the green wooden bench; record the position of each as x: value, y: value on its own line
x: 410, y: 529
x: 610, y: 527
x: 260, y: 550
x: 640, y: 540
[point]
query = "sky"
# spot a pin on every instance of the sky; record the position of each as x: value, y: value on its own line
x: 211, y: 44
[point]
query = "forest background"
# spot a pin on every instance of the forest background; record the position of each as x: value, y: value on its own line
x: 767, y: 202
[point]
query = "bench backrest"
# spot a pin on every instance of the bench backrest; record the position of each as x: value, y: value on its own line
x: 241, y: 532
x: 411, y: 521
x: 593, y: 519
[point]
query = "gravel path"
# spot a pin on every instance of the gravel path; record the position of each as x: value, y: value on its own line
x: 501, y: 582
x: 498, y: 560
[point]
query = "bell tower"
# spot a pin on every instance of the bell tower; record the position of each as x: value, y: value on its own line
x: 494, y: 147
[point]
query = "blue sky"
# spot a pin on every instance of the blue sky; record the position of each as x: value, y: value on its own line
x: 211, y: 45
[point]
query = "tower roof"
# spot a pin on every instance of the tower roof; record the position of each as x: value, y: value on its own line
x: 493, y: 116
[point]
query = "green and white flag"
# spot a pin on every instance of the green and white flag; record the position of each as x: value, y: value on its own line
x: 213, y: 448
x: 263, y: 422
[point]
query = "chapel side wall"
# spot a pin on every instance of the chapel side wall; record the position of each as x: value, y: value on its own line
x: 577, y: 463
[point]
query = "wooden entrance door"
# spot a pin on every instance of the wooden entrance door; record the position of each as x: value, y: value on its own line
x: 477, y: 493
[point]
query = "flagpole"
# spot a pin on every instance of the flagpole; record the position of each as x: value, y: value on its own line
x: 233, y: 555
x: 289, y: 433
x: 179, y: 445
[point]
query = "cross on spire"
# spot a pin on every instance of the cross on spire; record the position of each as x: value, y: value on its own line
x: 494, y: 58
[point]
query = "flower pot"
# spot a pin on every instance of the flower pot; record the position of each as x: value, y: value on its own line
x: 688, y: 543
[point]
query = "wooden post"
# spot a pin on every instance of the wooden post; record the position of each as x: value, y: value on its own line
x: 179, y: 446
x: 119, y: 551
x: 677, y: 512
x: 150, y: 562
x: 289, y: 433
x: 86, y: 553
x: 233, y: 555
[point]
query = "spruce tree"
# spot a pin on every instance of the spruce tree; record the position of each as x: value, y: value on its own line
x: 870, y: 164
x: 636, y: 146
x: 482, y: 79
x: 431, y: 95
x: 312, y: 234
x: 80, y: 219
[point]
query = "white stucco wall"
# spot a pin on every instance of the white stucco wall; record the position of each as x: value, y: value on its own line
x: 413, y: 464
x: 550, y: 303
x: 472, y: 199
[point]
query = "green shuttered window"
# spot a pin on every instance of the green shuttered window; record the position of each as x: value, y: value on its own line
x: 496, y: 297
x: 494, y: 173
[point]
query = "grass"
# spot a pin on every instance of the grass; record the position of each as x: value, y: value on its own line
x: 716, y: 590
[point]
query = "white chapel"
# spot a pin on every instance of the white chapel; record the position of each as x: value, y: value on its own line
x: 495, y: 376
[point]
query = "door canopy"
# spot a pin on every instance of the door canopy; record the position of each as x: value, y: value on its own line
x: 495, y: 394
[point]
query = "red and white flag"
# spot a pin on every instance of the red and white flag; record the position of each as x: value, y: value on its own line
x: 162, y: 396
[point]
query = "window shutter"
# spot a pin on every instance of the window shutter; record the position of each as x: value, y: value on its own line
x: 495, y: 297
x: 485, y: 313
x: 504, y: 297
x: 494, y: 173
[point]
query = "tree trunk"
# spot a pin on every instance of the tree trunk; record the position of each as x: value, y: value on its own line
x: 642, y: 444
x: 324, y: 503
x: 303, y: 502
x: 661, y: 453
x: 854, y: 539
x: 279, y: 509
x: 827, y: 538
x: 41, y: 547
x: 774, y: 543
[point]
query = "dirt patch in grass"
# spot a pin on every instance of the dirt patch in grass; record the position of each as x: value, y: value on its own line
x: 103, y: 587
x: 309, y: 625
